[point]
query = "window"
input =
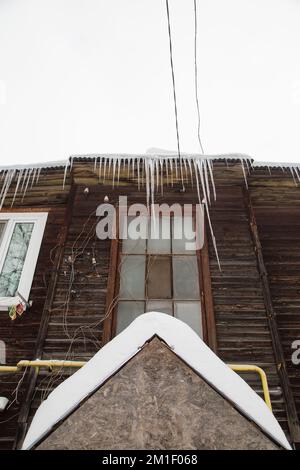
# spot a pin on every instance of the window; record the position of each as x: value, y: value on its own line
x: 20, y: 240
x: 159, y: 275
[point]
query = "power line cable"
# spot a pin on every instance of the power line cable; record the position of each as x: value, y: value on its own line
x: 196, y: 74
x: 174, y: 88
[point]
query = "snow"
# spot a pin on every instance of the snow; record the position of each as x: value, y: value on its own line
x: 185, y: 343
x: 52, y: 164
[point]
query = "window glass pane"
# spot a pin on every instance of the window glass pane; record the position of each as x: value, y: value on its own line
x: 185, y: 277
x: 162, y: 306
x: 190, y: 313
x: 130, y: 245
x: 134, y: 246
x: 159, y: 235
x: 132, y: 277
x: 182, y: 235
x: 159, y: 277
x: 127, y: 312
x: 14, y: 261
x: 2, y: 229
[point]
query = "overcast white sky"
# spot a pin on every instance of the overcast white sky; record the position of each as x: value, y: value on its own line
x: 93, y: 76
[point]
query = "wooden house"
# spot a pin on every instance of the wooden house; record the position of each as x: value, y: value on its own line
x: 63, y: 288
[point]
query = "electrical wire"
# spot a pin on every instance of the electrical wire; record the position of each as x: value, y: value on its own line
x: 174, y: 87
x: 196, y: 75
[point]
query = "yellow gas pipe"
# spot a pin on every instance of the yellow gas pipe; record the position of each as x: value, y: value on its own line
x: 262, y: 375
x: 77, y: 364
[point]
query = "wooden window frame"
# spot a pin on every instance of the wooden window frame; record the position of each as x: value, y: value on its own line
x: 206, y: 299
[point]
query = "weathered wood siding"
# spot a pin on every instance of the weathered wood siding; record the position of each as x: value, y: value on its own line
x: 276, y: 201
x: 78, y: 306
x: 20, y: 335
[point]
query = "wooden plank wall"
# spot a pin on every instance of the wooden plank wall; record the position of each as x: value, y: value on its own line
x: 75, y: 324
x: 276, y: 200
x: 20, y: 335
x: 242, y: 329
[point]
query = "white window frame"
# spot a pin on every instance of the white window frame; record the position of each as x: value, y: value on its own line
x: 39, y: 220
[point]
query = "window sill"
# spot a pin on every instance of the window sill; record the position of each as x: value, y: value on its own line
x: 6, y: 302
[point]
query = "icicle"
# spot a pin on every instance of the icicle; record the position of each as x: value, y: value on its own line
x: 161, y: 164
x: 138, y: 173
x: 24, y: 179
x: 181, y: 171
x: 147, y: 183
x: 292, y: 172
x: 199, y: 168
x: 95, y: 164
x: 65, y: 173
x: 38, y: 175
x: 247, y: 164
x: 176, y: 169
x: 200, y: 173
x: 167, y: 172
x: 171, y: 171
x: 104, y: 169
x: 100, y: 168
x: 243, y: 168
x: 203, y: 165
x: 4, y: 177
x: 213, y: 236
x: 27, y: 182
x: 144, y: 172
x: 197, y: 181
x: 133, y: 164
x: 114, y: 172
x: 119, y: 162
x: 212, y: 178
x: 33, y: 177
x: 109, y: 171
x: 152, y: 182
x: 7, y: 182
x: 17, y: 186
x: 297, y: 173
x: 128, y: 167
x: 157, y: 167
x: 191, y: 171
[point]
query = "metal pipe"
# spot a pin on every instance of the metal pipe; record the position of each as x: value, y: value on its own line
x: 41, y: 363
x: 50, y: 364
x: 262, y: 375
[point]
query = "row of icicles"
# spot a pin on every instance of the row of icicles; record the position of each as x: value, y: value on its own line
x: 149, y: 172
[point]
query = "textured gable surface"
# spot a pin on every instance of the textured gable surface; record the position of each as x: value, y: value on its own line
x: 156, y: 401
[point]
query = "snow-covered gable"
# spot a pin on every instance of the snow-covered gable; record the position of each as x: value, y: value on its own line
x: 185, y: 343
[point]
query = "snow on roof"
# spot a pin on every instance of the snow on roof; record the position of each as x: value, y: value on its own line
x: 185, y: 343
x: 28, y: 166
x: 276, y: 164
x: 150, y: 154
